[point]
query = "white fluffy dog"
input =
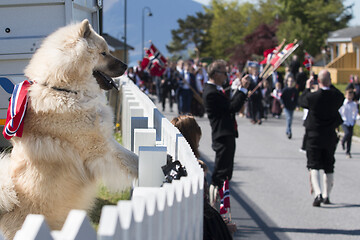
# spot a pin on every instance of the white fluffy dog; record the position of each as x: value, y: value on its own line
x: 67, y: 144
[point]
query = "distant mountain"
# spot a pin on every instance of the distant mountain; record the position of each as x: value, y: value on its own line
x: 157, y: 28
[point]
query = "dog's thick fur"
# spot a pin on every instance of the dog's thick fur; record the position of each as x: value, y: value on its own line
x: 67, y: 144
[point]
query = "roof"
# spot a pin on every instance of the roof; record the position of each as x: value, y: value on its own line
x: 115, y: 43
x: 344, y: 35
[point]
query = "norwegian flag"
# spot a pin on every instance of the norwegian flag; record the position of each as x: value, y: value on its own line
x: 308, y: 62
x: 154, y: 61
x: 267, y: 55
x: 276, y: 61
x: 224, y: 193
x: 14, y: 124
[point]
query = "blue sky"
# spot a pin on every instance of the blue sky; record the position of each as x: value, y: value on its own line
x: 158, y: 27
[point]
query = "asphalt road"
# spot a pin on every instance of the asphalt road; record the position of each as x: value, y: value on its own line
x: 270, y: 189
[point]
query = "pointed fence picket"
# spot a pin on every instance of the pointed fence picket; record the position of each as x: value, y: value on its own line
x: 171, y: 211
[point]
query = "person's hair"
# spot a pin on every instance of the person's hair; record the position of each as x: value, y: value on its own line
x: 215, y: 66
x: 189, y: 128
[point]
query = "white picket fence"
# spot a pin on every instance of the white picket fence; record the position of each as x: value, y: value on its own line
x: 174, y: 211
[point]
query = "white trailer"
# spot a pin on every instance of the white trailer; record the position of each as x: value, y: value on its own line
x: 23, y: 26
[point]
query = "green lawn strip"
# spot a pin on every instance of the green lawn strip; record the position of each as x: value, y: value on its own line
x: 106, y: 197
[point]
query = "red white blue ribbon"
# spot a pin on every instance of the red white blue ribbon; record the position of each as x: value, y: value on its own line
x: 14, y: 124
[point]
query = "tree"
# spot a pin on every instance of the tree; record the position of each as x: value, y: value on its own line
x: 233, y: 22
x: 230, y: 24
x: 192, y: 32
x: 261, y: 39
x: 310, y: 21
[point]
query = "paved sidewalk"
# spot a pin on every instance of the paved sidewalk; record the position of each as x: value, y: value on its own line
x: 270, y: 190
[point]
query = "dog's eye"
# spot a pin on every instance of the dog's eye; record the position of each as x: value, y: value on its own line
x: 103, y: 53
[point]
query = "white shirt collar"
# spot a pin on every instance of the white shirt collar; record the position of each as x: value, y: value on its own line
x: 217, y: 86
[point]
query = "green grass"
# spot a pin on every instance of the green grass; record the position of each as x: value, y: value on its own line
x: 118, y: 137
x: 356, y: 130
x: 106, y: 197
x: 341, y: 87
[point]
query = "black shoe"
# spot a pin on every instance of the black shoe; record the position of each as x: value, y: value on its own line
x: 317, y: 201
x: 326, y: 200
x: 289, y: 136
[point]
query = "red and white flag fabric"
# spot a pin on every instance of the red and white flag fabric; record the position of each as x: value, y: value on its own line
x: 277, y: 60
x: 308, y: 62
x: 224, y: 193
x: 154, y: 61
x: 269, y: 54
x: 14, y: 123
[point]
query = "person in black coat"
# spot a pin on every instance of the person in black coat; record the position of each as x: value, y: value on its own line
x: 322, y: 120
x: 221, y: 112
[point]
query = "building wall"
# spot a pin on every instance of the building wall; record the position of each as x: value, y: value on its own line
x: 120, y: 55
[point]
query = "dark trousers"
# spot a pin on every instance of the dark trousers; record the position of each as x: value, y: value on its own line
x: 224, y: 148
x: 184, y: 103
x: 348, y: 132
x: 321, y: 158
x: 256, y: 109
x: 166, y: 93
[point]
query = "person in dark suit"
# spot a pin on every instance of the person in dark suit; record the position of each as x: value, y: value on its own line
x: 322, y: 120
x: 221, y: 112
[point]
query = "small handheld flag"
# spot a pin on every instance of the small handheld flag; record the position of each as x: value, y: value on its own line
x: 154, y: 61
x: 308, y: 62
x: 224, y: 193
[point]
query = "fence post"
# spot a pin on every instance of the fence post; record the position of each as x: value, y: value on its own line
x: 77, y: 227
x: 109, y: 226
x: 150, y: 161
x: 129, y: 101
x: 157, y: 123
x: 144, y: 137
x: 155, y: 202
x: 137, y: 122
x: 127, y: 223
x: 34, y: 228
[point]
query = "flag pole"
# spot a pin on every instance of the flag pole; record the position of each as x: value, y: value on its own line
x: 196, y: 95
x: 273, y: 68
x: 268, y: 62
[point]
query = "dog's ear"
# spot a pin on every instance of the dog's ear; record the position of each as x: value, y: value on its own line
x: 85, y: 29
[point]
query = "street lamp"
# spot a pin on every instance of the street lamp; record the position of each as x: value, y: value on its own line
x: 125, y: 37
x: 143, y: 24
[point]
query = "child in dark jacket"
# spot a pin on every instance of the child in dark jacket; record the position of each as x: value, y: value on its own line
x: 288, y: 101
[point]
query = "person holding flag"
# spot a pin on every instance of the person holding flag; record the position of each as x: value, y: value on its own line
x: 308, y: 62
x: 221, y: 112
x: 156, y: 64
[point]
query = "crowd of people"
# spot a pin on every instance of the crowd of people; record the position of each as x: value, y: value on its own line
x: 222, y: 91
x: 183, y: 81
